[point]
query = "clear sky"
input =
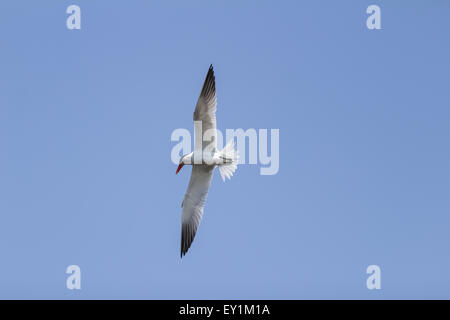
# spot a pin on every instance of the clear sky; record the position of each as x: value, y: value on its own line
x: 86, y: 177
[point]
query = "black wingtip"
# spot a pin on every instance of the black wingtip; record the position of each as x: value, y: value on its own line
x: 211, y: 69
x: 209, y: 85
x: 187, y: 237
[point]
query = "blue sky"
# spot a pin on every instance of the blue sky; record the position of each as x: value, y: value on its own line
x: 85, y: 171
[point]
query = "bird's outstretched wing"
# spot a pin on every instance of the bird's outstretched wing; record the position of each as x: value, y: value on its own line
x: 195, y: 198
x: 205, y: 111
x: 193, y: 204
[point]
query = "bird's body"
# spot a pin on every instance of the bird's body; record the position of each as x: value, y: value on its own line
x: 215, y: 158
x: 203, y: 159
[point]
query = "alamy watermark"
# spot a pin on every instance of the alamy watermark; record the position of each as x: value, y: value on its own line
x: 374, y: 280
x: 258, y: 142
x: 73, y: 281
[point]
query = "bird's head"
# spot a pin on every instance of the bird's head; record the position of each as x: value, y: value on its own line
x: 186, y: 159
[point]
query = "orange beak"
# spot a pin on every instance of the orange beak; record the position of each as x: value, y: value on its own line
x: 179, y: 167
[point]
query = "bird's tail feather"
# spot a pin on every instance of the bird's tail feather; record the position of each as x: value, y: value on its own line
x: 230, y: 158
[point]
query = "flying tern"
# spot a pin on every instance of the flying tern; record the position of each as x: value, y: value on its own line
x: 204, y: 159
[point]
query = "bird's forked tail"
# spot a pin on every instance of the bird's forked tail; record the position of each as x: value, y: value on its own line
x: 230, y: 157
